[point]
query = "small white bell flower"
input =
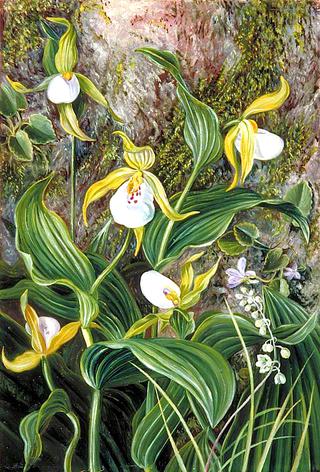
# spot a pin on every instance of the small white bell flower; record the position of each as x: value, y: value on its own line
x: 280, y: 378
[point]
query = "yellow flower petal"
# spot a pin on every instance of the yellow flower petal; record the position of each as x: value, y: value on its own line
x: 231, y: 155
x: 162, y: 199
x: 187, y: 274
x: 66, y: 333
x: 269, y: 101
x: 69, y: 122
x: 201, y: 282
x: 140, y: 158
x: 138, y: 232
x: 26, y: 361
x: 37, y: 341
x: 102, y: 187
x: 247, y: 144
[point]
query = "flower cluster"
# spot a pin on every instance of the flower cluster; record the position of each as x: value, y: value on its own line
x: 253, y: 304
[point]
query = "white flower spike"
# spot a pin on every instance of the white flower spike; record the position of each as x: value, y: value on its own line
x: 160, y: 290
x: 267, y: 145
x: 64, y: 88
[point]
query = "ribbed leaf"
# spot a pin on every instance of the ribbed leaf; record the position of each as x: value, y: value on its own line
x: 49, y: 254
x: 288, y: 320
x: 217, y: 209
x: 201, y: 129
x: 40, y: 129
x: 21, y: 146
x: 150, y: 436
x: 189, y: 457
x: 200, y: 370
x: 36, y: 422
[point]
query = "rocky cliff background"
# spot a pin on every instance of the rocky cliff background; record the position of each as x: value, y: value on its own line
x: 231, y: 51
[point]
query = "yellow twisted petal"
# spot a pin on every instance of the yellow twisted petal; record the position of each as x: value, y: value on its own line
x: 187, y: 274
x: 201, y: 282
x: 140, y: 158
x: 162, y: 199
x: 99, y: 189
x: 269, y: 101
x: 65, y: 334
x: 26, y: 361
x: 231, y: 155
x: 37, y: 341
x: 247, y: 143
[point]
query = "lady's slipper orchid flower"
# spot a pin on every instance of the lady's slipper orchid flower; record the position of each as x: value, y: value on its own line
x: 167, y: 295
x: 46, y: 338
x: 136, y: 188
x: 251, y: 141
x: 63, y: 84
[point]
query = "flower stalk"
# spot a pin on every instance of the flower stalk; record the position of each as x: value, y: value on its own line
x: 94, y: 432
x: 73, y: 179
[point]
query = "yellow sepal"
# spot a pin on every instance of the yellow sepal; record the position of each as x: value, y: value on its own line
x: 65, y: 334
x: 139, y: 158
x: 247, y: 144
x: 37, y: 341
x: 231, y: 155
x: 18, y: 86
x: 26, y: 361
x: 102, y: 187
x: 269, y: 101
x: 162, y: 199
x: 201, y: 282
x: 187, y: 274
x: 138, y: 232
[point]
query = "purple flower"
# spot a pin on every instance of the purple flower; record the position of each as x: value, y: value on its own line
x: 292, y: 272
x: 238, y: 276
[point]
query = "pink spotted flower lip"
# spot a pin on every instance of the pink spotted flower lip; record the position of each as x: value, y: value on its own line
x: 240, y: 275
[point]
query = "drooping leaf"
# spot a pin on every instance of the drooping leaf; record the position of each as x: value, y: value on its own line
x: 200, y: 370
x: 275, y: 260
x: 21, y: 146
x: 50, y: 256
x: 39, y: 129
x: 69, y: 122
x: 34, y: 423
x: 201, y: 129
x: 217, y: 209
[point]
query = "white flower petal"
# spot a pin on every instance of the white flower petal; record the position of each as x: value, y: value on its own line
x: 132, y: 212
x: 61, y: 90
x: 242, y: 262
x: 267, y: 145
x: 48, y: 327
x: 153, y: 286
x: 280, y: 378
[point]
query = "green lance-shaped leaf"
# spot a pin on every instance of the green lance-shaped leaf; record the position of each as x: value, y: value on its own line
x: 50, y: 49
x: 201, y: 129
x: 35, y: 423
x: 50, y: 255
x: 200, y: 370
x: 67, y: 55
x: 217, y: 209
x: 21, y: 146
x: 39, y: 129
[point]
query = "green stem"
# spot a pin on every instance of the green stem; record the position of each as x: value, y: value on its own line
x: 177, y: 207
x: 73, y: 188
x: 112, y: 264
x: 94, y: 432
x: 47, y: 374
x: 73, y: 443
x: 87, y: 336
